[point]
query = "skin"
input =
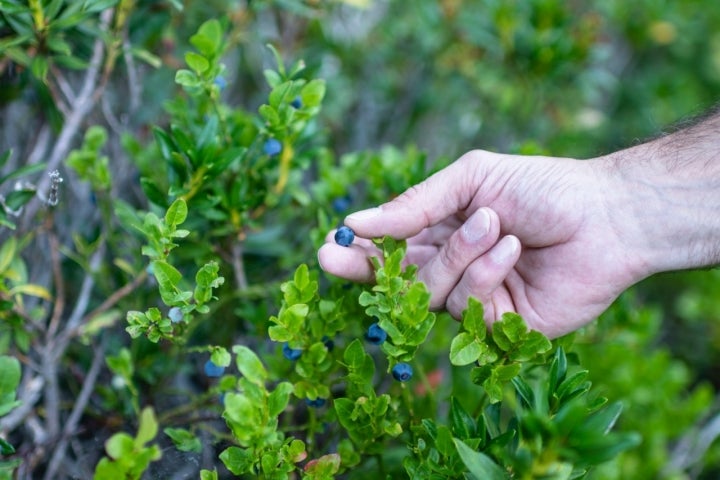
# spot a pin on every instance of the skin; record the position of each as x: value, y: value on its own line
x: 553, y: 239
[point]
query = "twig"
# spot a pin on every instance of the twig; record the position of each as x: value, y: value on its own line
x: 84, y: 103
x: 693, y: 446
x: 80, y: 403
x: 59, y: 305
x: 238, y: 266
x: 133, y: 78
x: 29, y: 396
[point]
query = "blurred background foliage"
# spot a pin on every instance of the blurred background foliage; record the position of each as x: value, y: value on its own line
x: 426, y: 80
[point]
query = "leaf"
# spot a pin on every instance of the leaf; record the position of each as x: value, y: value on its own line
x: 461, y: 422
x: 472, y: 319
x: 250, y: 365
x: 279, y: 398
x: 464, y: 350
x: 237, y: 460
x: 22, y: 171
x: 7, y: 253
x: 32, y: 290
x: 148, y: 427
x: 197, y: 62
x: 480, y: 465
x: 177, y: 213
x: 184, y: 440
x: 18, y: 198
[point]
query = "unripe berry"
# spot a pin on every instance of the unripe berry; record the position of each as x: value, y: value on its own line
x: 344, y: 236
x: 402, y: 372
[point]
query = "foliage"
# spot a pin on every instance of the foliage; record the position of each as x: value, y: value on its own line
x: 169, y: 169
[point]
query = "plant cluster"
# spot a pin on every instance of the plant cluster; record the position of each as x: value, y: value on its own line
x: 168, y: 170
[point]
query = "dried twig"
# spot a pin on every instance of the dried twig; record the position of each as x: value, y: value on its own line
x: 80, y: 403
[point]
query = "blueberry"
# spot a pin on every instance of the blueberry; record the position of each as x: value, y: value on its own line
x: 375, y: 334
x: 291, y: 354
x: 175, y: 315
x: 315, y: 403
x: 272, y: 147
x: 341, y: 204
x: 329, y: 344
x: 297, y: 103
x: 213, y: 370
x: 402, y: 372
x: 344, y: 236
x: 220, y: 82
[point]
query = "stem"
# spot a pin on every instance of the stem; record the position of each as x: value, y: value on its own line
x: 238, y: 266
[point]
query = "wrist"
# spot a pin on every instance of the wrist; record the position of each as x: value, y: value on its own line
x: 665, y: 196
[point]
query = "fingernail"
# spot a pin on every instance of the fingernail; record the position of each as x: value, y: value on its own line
x: 477, y: 226
x: 504, y: 250
x: 365, y: 214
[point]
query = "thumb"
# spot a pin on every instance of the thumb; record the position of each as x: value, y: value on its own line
x: 443, y: 194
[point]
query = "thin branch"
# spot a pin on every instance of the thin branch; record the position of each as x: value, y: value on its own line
x: 238, y: 266
x: 29, y: 396
x: 58, y: 280
x: 79, y: 407
x: 81, y: 107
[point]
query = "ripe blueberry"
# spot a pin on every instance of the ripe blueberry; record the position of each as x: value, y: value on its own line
x: 220, y: 82
x: 315, y: 403
x: 291, y: 354
x: 297, y: 103
x: 213, y: 370
x: 375, y: 334
x: 175, y: 315
x: 329, y: 343
x: 402, y: 372
x: 272, y: 147
x: 344, y: 236
x: 341, y: 204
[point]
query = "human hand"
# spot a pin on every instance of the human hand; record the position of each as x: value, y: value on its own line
x: 532, y: 235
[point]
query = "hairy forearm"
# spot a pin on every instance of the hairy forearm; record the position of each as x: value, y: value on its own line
x: 666, y: 196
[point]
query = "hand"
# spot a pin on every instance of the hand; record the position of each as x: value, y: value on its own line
x: 532, y: 235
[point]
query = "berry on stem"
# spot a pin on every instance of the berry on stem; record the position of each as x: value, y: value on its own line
x: 375, y: 334
x: 344, y: 236
x: 297, y: 103
x: 213, y: 370
x: 272, y: 147
x: 291, y: 354
x: 402, y: 372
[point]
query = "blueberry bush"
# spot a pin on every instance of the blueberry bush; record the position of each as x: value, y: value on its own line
x: 169, y: 168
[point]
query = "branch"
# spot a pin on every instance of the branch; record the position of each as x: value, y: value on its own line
x: 80, y: 403
x: 84, y: 103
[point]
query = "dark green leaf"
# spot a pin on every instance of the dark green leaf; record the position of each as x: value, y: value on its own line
x: 480, y: 465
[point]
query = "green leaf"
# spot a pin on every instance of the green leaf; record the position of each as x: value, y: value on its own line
x: 464, y: 350
x: 10, y: 373
x: 250, y: 365
x: 197, y: 62
x: 184, y: 440
x: 176, y: 214
x: 479, y: 464
x: 472, y: 319
x: 22, y: 171
x: 279, y: 398
x: 148, y: 427
x: 186, y: 78
x: 313, y: 93
x: 7, y: 253
x: 5, y: 449
x: 18, y: 198
x: 220, y: 356
x: 461, y: 423
x: 237, y: 460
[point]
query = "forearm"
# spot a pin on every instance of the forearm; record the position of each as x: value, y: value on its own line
x: 666, y: 195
